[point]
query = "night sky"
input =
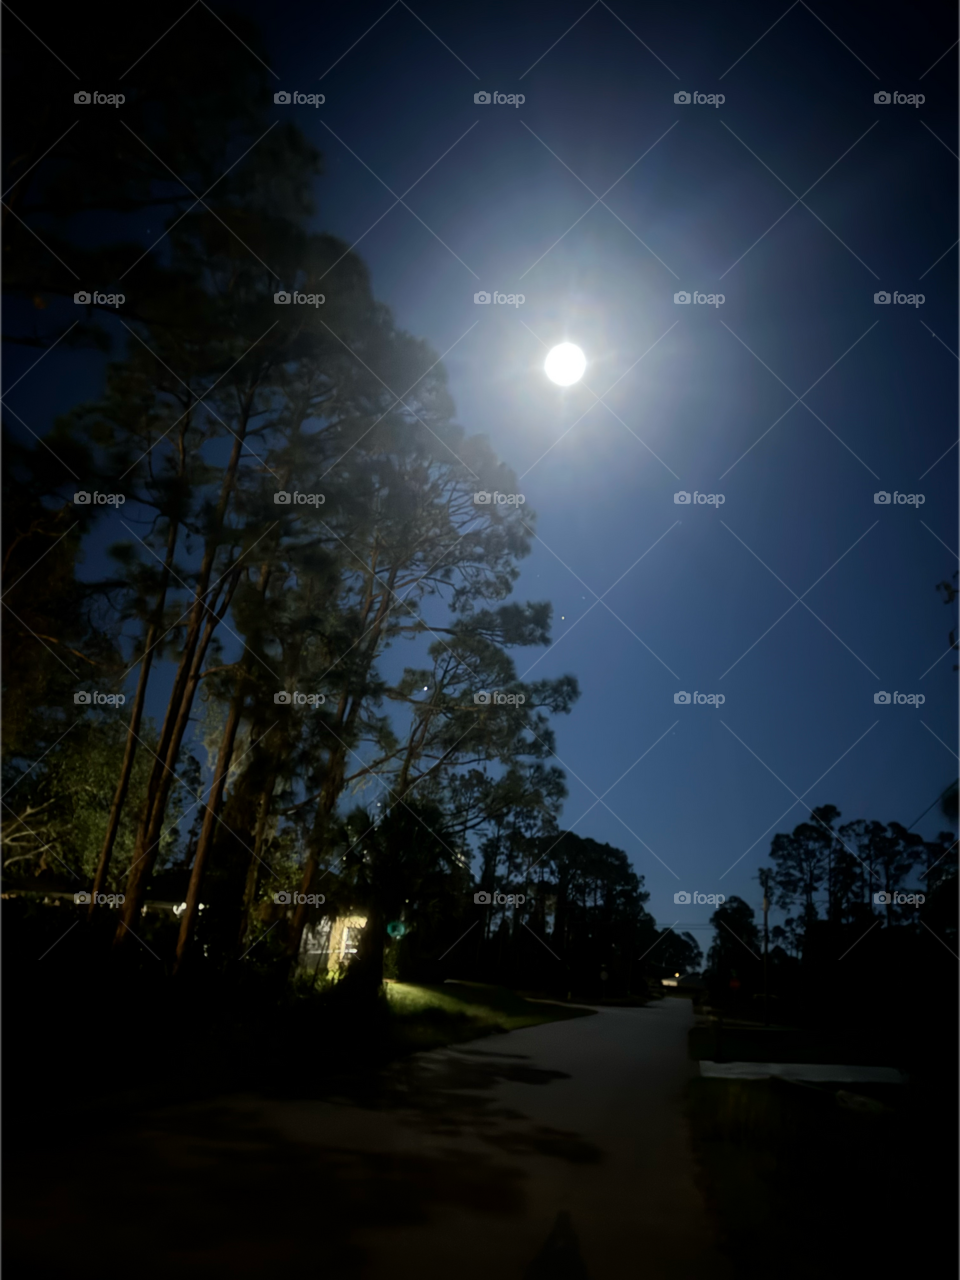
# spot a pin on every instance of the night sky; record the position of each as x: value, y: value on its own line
x: 797, y: 399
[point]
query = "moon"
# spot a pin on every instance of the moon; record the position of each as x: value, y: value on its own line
x: 565, y: 364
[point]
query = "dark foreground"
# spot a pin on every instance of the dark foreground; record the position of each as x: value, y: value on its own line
x: 556, y: 1151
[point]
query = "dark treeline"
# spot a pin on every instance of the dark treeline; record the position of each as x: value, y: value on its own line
x: 868, y: 943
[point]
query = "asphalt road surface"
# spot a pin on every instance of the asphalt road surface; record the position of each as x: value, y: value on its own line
x: 554, y: 1153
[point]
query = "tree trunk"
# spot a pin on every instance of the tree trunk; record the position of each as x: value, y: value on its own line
x: 214, y: 801
x: 253, y: 870
x: 126, y: 769
x: 181, y: 700
x: 151, y: 828
x: 336, y: 772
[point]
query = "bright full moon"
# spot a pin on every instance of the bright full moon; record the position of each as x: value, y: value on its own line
x: 565, y: 364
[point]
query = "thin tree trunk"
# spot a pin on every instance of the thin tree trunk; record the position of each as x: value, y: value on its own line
x: 181, y: 700
x: 130, y: 751
x: 214, y: 801
x: 148, y: 842
x: 253, y: 870
x: 336, y: 772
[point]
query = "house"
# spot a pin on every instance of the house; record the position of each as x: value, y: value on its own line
x: 330, y: 943
x: 686, y: 982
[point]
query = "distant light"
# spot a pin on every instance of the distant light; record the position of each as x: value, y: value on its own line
x: 676, y: 975
x: 565, y: 364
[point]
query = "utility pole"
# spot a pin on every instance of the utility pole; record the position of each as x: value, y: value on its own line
x: 765, y: 885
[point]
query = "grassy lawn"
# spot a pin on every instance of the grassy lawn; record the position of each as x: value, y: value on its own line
x: 426, y: 1017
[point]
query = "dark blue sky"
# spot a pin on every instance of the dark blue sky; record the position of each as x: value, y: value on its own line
x: 694, y: 398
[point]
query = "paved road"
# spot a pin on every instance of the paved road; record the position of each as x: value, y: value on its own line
x: 554, y: 1153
